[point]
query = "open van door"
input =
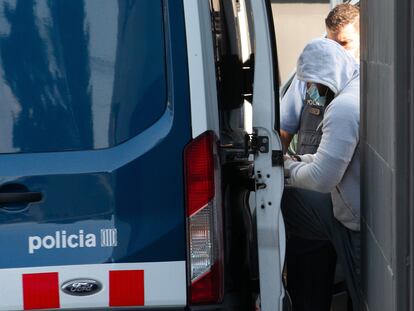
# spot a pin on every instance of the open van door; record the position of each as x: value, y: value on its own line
x: 268, y: 160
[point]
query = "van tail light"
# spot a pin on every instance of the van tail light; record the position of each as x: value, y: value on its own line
x: 204, y: 221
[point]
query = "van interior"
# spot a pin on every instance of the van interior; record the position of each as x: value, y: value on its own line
x: 234, y: 41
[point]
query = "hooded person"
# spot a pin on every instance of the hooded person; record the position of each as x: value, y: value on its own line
x: 321, y: 200
x: 342, y: 26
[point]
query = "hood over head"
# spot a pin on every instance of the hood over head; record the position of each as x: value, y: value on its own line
x: 326, y: 62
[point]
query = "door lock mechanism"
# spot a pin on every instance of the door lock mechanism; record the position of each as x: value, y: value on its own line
x: 254, y: 144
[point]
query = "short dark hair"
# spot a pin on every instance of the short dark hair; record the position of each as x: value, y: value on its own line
x: 342, y: 15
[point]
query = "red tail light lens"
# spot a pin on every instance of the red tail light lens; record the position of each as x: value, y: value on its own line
x: 199, y: 172
x: 205, y: 246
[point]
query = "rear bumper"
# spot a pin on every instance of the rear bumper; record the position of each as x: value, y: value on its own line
x: 140, y: 309
x: 220, y: 307
x: 231, y: 302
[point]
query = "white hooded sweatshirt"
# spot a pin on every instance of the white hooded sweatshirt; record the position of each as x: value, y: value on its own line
x: 335, y: 166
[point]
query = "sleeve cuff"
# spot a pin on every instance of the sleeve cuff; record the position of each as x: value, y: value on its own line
x: 307, y: 158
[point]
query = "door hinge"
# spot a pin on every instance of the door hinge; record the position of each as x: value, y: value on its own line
x: 254, y: 144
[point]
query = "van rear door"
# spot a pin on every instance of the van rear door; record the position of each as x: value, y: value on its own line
x: 93, y: 122
x: 268, y: 162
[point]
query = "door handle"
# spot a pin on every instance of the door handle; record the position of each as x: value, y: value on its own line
x: 19, y: 197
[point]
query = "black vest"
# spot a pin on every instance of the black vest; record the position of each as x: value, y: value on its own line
x: 310, y: 129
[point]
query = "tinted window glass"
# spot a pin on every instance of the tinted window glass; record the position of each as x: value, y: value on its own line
x: 79, y: 74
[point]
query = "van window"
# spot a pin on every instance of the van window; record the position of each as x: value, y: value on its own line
x: 79, y: 74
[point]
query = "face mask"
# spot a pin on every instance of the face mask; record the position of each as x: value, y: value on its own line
x: 313, y: 94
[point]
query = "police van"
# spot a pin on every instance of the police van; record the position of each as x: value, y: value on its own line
x: 134, y: 134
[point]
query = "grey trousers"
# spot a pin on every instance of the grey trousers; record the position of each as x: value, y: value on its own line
x: 309, y: 215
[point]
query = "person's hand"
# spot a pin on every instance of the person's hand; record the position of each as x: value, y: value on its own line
x: 288, y: 159
x: 293, y: 157
x: 286, y: 171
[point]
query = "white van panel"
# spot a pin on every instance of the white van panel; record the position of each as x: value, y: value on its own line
x: 201, y: 67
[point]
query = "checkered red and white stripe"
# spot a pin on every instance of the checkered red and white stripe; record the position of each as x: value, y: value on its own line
x: 123, y: 285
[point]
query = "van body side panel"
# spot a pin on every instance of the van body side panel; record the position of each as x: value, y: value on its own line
x: 113, y: 198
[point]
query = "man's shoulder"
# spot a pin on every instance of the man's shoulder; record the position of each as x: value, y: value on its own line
x: 349, y: 97
x: 345, y: 104
x: 352, y: 89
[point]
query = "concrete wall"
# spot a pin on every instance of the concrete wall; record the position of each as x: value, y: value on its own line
x: 386, y: 143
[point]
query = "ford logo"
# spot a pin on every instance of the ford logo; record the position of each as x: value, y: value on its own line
x: 81, y: 287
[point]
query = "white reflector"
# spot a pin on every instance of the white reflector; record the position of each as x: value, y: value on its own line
x: 202, y: 252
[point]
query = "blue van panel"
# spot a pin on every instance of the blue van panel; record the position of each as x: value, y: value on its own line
x: 79, y: 74
x: 135, y: 187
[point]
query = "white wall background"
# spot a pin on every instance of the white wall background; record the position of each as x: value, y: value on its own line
x: 296, y: 24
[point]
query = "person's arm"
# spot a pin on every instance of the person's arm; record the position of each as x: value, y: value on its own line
x: 286, y: 138
x: 291, y: 107
x: 339, y: 140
